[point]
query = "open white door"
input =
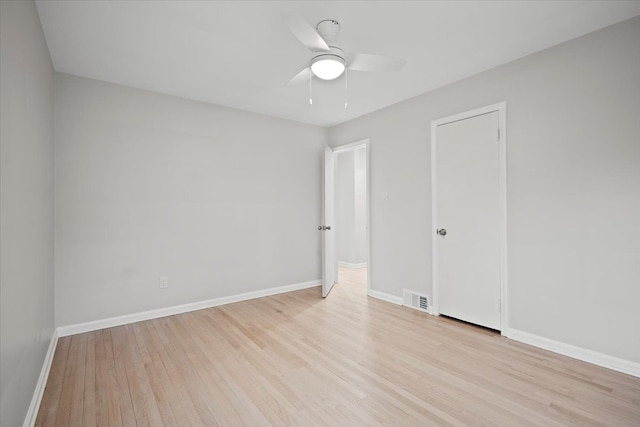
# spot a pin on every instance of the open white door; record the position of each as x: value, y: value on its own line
x: 328, y: 241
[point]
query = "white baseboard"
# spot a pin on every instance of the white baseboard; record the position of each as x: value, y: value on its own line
x: 590, y: 356
x: 177, y: 309
x: 351, y: 265
x: 385, y: 297
x: 429, y: 310
x: 34, y: 406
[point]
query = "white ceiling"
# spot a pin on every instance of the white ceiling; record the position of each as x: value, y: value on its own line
x: 241, y: 54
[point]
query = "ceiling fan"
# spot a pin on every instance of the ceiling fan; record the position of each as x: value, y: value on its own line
x: 329, y: 61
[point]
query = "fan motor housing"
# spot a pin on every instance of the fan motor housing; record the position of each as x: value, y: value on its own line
x: 335, y: 52
x: 328, y: 30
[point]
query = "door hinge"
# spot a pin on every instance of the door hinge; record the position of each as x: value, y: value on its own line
x: 498, y: 134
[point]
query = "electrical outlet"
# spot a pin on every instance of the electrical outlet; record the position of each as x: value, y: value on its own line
x: 163, y: 282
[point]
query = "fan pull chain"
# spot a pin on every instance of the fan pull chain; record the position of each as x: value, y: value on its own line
x: 346, y: 86
x: 310, y: 79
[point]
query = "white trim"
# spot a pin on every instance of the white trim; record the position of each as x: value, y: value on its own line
x: 385, y: 297
x: 352, y: 265
x: 434, y: 223
x: 501, y: 108
x: 34, y: 406
x: 429, y: 310
x: 611, y: 362
x: 504, y: 270
x: 95, y: 325
x: 366, y: 144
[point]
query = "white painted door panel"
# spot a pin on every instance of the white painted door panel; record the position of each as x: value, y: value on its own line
x: 468, y: 208
x: 328, y: 241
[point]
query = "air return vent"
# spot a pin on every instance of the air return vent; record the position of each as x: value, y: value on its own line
x: 416, y: 300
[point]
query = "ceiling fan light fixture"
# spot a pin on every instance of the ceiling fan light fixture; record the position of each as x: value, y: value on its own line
x: 327, y: 67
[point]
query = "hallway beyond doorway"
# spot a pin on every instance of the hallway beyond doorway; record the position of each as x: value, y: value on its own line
x: 353, y: 280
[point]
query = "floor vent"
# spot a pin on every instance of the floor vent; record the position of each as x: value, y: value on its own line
x: 415, y: 300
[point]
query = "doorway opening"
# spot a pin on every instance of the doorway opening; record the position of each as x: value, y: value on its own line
x: 352, y: 217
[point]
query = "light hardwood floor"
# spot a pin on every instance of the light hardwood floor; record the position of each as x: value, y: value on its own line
x: 347, y: 360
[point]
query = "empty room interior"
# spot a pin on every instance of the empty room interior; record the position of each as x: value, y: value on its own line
x: 354, y: 213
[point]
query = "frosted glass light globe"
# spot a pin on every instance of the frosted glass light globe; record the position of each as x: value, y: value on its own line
x: 327, y: 67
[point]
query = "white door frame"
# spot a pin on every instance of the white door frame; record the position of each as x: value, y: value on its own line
x: 363, y: 143
x: 501, y: 108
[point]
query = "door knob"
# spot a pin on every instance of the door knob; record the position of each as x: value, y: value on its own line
x: 442, y: 231
x: 328, y: 227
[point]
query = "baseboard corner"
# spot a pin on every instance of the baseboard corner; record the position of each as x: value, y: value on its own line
x: 34, y: 406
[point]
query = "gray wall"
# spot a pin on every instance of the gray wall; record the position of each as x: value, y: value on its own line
x: 350, y: 181
x: 360, y: 205
x: 573, y: 141
x: 26, y: 206
x: 147, y: 185
x: 345, y: 207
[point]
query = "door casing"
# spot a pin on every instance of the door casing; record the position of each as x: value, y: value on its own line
x: 501, y: 108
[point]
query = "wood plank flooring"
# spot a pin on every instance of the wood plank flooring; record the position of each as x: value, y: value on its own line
x: 347, y: 360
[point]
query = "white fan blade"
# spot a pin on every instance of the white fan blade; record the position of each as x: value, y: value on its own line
x: 306, y: 34
x: 301, y: 77
x: 368, y: 62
